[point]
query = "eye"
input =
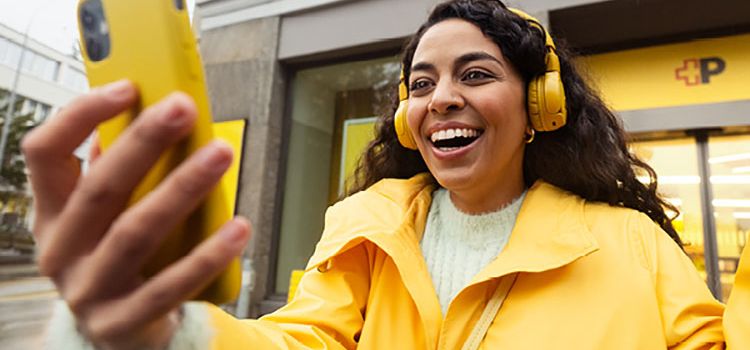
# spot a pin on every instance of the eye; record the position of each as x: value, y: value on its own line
x: 419, y: 84
x: 474, y: 75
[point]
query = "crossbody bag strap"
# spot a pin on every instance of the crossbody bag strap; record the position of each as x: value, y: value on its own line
x: 489, y: 313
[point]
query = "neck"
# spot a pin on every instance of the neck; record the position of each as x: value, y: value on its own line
x: 480, y: 200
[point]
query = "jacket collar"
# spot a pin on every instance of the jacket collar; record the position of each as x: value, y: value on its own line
x: 550, y: 230
x: 391, y: 213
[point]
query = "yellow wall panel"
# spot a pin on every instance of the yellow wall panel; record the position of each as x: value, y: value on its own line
x: 233, y: 133
x: 670, y: 75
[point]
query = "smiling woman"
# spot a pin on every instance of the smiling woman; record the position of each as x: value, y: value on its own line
x: 468, y: 87
x: 482, y: 85
x: 498, y: 207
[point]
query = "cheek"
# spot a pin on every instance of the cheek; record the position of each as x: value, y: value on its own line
x: 520, y: 107
x: 415, y: 117
x: 512, y: 112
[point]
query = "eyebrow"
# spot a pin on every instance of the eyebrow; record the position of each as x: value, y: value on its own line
x: 460, y: 61
x: 476, y: 56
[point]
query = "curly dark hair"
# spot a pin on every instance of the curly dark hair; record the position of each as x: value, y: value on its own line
x: 589, y: 156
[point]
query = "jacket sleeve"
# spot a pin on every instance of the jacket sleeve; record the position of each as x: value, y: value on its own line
x: 62, y: 333
x: 737, y: 314
x: 327, y: 311
x: 691, y: 317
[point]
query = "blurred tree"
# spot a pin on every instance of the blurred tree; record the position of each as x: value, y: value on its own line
x: 13, y: 171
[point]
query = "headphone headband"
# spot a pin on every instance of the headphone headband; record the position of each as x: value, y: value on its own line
x: 553, y: 63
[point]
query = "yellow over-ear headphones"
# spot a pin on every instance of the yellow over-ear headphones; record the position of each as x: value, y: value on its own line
x: 545, y: 97
x: 402, y: 129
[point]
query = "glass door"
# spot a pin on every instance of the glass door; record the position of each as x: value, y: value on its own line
x: 676, y: 165
x: 713, y: 243
x: 729, y: 161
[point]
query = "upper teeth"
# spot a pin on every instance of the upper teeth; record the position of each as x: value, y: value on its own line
x: 451, y: 133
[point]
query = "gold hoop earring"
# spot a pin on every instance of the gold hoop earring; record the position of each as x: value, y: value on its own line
x: 530, y: 136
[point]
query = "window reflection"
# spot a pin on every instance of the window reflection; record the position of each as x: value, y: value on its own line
x: 729, y: 161
x: 675, y: 163
x: 324, y: 101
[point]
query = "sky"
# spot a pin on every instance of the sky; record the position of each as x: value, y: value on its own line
x: 53, y: 22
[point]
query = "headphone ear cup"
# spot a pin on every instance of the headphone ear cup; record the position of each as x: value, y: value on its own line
x: 403, y: 132
x: 546, y: 102
x: 532, y: 105
x: 554, y: 115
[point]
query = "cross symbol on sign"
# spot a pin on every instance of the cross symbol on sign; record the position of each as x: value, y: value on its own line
x: 690, y: 72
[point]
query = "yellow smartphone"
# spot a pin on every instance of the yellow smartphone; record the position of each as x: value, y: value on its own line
x: 150, y: 42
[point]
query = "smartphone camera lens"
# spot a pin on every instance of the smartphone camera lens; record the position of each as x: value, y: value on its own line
x: 94, y: 49
x: 94, y: 30
x: 179, y: 4
x: 88, y: 20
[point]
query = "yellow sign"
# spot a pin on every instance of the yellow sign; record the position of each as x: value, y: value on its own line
x: 294, y: 278
x: 696, y: 72
x: 231, y: 132
x: 357, y: 135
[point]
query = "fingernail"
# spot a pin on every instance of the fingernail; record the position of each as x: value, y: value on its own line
x: 233, y: 233
x: 215, y: 157
x: 176, y: 111
x: 173, y: 116
x: 118, y: 89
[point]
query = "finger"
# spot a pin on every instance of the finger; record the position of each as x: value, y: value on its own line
x: 96, y: 149
x: 187, y: 277
x: 139, y: 232
x: 51, y: 194
x: 48, y: 148
x: 66, y: 131
x: 102, y: 195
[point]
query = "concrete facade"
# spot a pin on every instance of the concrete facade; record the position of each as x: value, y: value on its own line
x: 245, y: 81
x: 253, y: 47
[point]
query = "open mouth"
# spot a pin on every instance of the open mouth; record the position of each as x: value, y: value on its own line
x: 453, y: 139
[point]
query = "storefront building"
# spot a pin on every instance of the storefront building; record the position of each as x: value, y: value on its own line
x: 38, y: 80
x: 310, y: 77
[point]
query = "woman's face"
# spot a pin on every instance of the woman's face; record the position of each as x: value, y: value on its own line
x: 467, y: 112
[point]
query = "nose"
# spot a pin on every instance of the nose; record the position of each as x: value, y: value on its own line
x: 445, y: 98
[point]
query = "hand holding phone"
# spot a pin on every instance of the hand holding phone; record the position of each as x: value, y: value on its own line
x: 150, y: 43
x: 93, y: 238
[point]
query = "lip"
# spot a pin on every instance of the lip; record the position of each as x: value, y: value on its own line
x: 457, y: 153
x: 454, y: 154
x: 449, y: 125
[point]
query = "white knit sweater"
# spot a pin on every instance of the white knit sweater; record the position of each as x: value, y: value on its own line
x: 456, y: 246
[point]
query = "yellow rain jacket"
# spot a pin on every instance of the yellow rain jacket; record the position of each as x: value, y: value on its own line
x: 591, y: 276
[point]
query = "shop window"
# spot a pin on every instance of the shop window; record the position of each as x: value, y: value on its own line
x: 328, y: 103
x: 676, y: 164
x: 729, y: 160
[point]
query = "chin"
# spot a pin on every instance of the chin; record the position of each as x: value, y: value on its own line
x: 453, y: 181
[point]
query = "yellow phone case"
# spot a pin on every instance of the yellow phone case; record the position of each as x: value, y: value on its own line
x: 152, y: 45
